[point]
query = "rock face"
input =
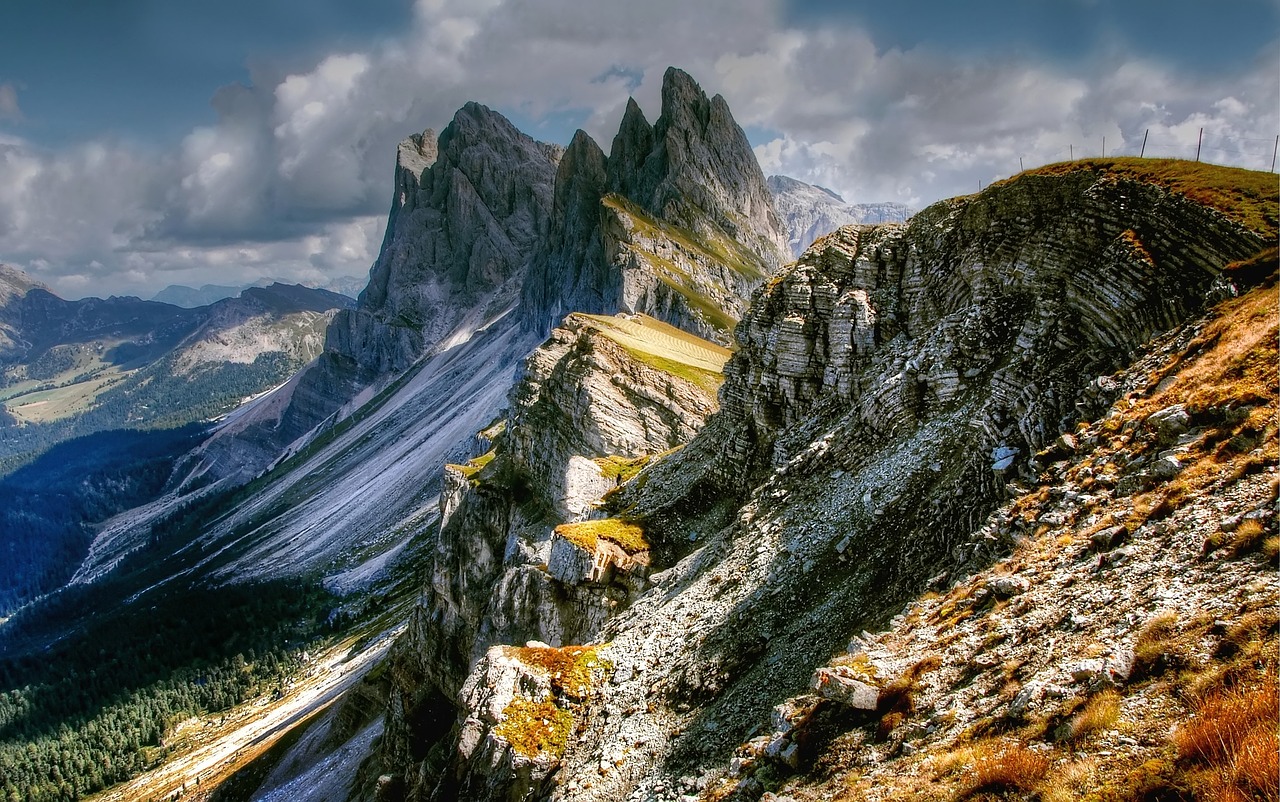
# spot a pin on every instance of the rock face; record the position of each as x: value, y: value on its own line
x: 809, y: 212
x: 875, y: 384
x: 676, y: 222
x: 466, y: 211
x: 602, y: 394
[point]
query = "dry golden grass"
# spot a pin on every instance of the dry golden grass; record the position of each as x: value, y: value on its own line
x: 1248, y: 537
x: 570, y: 667
x: 533, y: 728
x: 1000, y: 767
x: 1233, y: 734
x: 1246, y: 196
x: 1101, y: 712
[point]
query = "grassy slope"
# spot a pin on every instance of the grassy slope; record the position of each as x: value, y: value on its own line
x: 665, y: 347
x: 1247, y: 196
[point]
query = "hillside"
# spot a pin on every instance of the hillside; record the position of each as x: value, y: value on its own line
x: 124, y: 387
x: 889, y: 393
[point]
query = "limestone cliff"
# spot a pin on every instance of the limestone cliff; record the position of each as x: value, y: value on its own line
x: 887, y: 393
x: 675, y: 222
x: 602, y: 397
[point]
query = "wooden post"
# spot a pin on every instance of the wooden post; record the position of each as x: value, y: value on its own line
x: 1143, y: 152
x: 1273, y: 153
x: 1020, y: 167
x: 1072, y: 147
x: 1199, y: 142
x: 1104, y: 147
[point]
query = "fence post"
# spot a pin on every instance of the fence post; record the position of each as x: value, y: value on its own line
x: 1199, y: 142
x: 1273, y: 153
x: 1143, y: 152
x: 1104, y: 147
x: 1020, y: 167
x: 1072, y: 151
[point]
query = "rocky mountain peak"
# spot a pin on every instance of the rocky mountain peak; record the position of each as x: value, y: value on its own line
x: 467, y: 207
x: 632, y: 144
x: 682, y: 226
x: 809, y: 211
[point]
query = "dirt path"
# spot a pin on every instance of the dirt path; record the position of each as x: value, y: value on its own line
x: 217, y: 745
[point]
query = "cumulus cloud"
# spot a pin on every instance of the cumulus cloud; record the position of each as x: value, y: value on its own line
x: 293, y: 177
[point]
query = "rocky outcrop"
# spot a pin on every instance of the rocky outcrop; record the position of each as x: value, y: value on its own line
x: 809, y: 212
x: 676, y: 222
x: 599, y: 399
x: 888, y: 392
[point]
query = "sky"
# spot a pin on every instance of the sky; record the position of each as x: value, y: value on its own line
x: 148, y: 142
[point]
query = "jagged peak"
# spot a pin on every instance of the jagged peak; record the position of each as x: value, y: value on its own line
x: 417, y: 152
x: 683, y: 99
x: 581, y: 142
x: 475, y: 121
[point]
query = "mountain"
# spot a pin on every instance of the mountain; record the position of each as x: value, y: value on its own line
x: 191, y: 297
x: 890, y: 391
x: 676, y: 222
x: 542, y: 522
x: 809, y: 211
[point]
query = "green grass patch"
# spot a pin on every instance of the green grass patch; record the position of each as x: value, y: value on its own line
x: 720, y: 247
x: 533, y: 728
x: 628, y: 536
x: 665, y: 348
x: 475, y: 466
x: 1248, y: 197
x: 624, y: 469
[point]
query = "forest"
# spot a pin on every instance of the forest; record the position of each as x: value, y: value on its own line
x: 48, y: 508
x: 94, y: 709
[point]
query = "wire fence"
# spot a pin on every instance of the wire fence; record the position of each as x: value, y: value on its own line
x: 1200, y: 148
x: 1230, y: 151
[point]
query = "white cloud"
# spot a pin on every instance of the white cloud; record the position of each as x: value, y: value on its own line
x: 293, y: 179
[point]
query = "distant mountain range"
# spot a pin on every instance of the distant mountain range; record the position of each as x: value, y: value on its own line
x: 69, y: 368
x: 191, y: 297
x: 809, y: 211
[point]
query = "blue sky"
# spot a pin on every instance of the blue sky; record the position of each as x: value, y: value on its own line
x: 146, y: 142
